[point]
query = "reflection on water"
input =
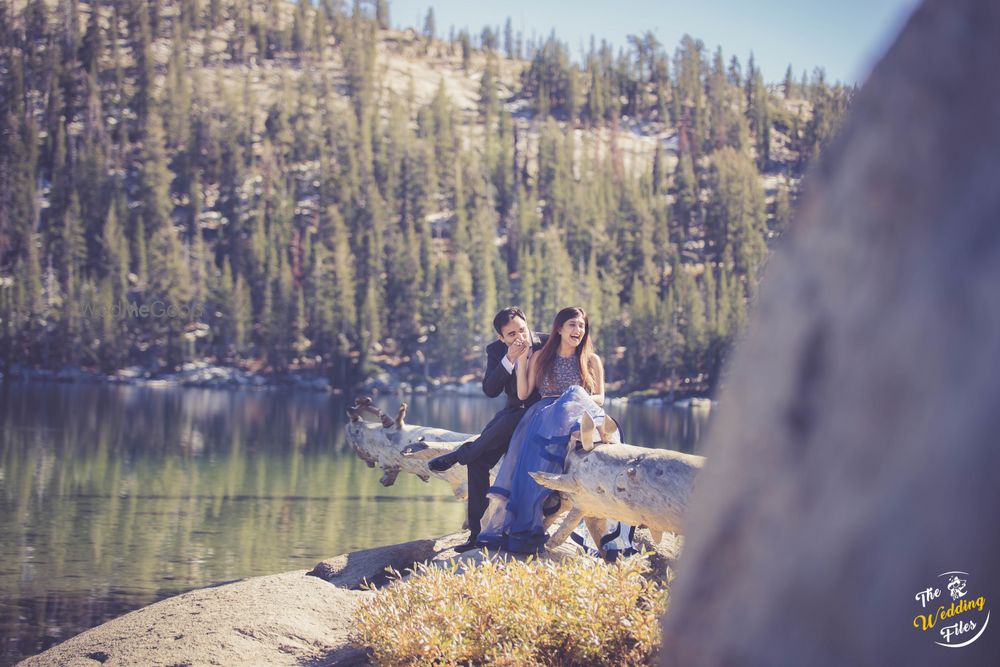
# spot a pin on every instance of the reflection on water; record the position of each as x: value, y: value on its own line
x: 114, y: 497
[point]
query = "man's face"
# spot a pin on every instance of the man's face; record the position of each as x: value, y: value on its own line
x: 516, y: 329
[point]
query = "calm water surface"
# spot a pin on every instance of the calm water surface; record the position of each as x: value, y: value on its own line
x: 115, y: 497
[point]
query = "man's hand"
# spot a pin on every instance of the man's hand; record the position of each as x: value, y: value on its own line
x: 519, y: 348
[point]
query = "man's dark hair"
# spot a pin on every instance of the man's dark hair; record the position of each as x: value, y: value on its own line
x: 505, y: 316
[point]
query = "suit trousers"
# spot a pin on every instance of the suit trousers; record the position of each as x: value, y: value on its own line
x: 479, y: 457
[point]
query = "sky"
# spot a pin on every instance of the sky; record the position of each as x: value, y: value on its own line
x: 845, y: 37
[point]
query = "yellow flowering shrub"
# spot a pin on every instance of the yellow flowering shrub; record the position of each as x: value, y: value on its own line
x: 579, y: 611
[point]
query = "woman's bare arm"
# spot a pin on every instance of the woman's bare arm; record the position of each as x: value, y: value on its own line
x: 526, y: 369
x: 598, y: 396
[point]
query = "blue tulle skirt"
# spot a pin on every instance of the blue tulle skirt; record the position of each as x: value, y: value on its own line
x: 539, y: 444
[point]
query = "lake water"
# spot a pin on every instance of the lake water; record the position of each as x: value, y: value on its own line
x: 115, y: 497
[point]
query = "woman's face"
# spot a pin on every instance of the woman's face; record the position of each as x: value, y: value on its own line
x: 573, y: 330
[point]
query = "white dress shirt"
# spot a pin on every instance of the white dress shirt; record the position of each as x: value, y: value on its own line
x: 508, y: 364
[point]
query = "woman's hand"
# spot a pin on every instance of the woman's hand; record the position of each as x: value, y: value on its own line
x: 519, y: 349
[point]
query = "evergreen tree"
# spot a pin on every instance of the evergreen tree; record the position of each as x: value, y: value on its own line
x: 394, y: 228
x: 736, y: 216
x: 760, y: 117
x: 788, y: 86
x: 221, y: 309
x: 508, y: 40
x: 382, y: 14
x: 242, y: 314
x: 782, y: 207
x: 685, y: 193
x: 93, y: 42
x: 142, y: 53
x: 300, y: 28
x: 430, y: 27
x: 155, y: 177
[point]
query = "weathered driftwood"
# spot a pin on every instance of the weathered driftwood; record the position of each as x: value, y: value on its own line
x: 636, y: 485
x: 857, y: 455
x: 395, y: 446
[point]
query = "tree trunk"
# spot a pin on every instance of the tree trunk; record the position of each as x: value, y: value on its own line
x: 635, y: 485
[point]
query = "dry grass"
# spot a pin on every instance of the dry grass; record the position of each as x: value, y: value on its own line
x: 579, y: 611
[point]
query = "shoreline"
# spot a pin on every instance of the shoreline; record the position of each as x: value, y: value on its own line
x: 205, y: 375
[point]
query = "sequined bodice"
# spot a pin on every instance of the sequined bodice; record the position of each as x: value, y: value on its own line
x: 565, y: 373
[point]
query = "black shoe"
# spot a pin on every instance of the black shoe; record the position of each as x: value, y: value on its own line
x: 443, y: 462
x: 468, y: 545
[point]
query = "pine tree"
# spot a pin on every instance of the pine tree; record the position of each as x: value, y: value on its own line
x: 169, y: 292
x: 319, y: 32
x: 685, y: 194
x: 142, y: 52
x: 382, y: 14
x: 9, y: 314
x: 489, y: 101
x: 242, y: 315
x: 18, y: 165
x: 300, y: 28
x: 508, y: 40
x: 93, y: 42
x: 711, y: 305
x: 32, y: 302
x: 430, y: 28
x: 300, y: 325
x: 140, y: 255
x: 736, y: 215
x: 760, y: 117
x: 221, y: 311
x: 788, y: 86
x: 155, y: 177
x: 110, y: 349
x: 466, y: 43
x: 69, y: 249
x: 782, y: 207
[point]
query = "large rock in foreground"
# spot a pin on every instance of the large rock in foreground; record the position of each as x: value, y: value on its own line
x: 282, y: 619
x: 856, y: 459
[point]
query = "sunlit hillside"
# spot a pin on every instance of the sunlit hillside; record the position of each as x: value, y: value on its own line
x: 297, y: 186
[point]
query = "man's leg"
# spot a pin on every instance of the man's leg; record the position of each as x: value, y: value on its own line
x: 479, y: 456
x: 479, y: 483
x: 495, y: 435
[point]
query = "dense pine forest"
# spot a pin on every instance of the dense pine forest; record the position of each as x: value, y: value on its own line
x: 287, y: 186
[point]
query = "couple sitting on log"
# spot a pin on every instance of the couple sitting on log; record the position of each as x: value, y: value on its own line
x: 555, y: 392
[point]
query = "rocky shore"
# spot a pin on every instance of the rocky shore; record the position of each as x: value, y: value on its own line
x: 293, y: 618
x: 191, y: 374
x: 207, y: 375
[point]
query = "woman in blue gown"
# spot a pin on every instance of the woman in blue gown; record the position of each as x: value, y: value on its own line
x: 570, y: 379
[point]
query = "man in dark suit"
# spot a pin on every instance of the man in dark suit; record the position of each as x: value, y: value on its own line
x: 481, y: 454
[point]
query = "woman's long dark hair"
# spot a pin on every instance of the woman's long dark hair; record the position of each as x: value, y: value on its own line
x: 584, y: 351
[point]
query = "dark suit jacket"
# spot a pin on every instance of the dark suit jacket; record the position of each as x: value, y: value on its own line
x: 497, y: 379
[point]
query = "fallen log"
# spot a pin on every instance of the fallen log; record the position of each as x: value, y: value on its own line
x: 635, y: 485
x: 395, y: 446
